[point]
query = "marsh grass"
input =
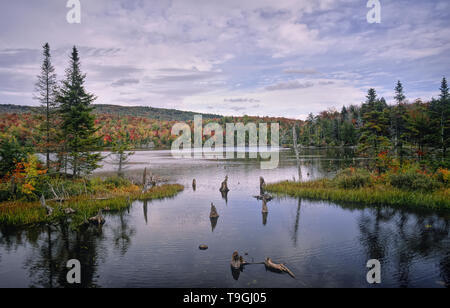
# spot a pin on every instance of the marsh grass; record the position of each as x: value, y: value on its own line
x: 377, y: 194
x: 107, y: 198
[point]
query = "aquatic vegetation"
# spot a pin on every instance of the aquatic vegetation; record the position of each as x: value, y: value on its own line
x: 110, y: 195
x: 371, y: 193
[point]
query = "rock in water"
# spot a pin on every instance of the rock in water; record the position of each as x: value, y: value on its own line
x: 203, y: 247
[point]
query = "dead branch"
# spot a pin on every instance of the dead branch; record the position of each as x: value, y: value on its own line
x: 277, y: 267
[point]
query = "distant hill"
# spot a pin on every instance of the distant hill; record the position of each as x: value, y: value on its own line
x: 134, y: 111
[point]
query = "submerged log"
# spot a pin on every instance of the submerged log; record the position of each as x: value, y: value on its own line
x: 281, y: 268
x: 97, y: 220
x: 224, y: 186
x: 213, y: 213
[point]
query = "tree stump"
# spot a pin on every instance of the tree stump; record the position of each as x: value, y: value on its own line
x: 97, y: 220
x: 224, y: 186
x: 237, y: 261
x: 213, y: 213
x: 194, y: 184
x: 262, y: 185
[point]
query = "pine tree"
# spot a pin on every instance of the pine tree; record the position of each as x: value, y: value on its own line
x: 46, y: 94
x: 78, y: 121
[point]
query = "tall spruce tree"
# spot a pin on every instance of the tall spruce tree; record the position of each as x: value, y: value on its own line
x: 46, y: 87
x: 440, y: 116
x: 399, y: 122
x: 78, y: 121
x: 375, y: 125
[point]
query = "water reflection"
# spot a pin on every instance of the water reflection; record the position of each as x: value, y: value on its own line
x: 325, y: 244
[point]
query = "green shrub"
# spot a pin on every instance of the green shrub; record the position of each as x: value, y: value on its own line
x: 352, y: 178
x: 116, y: 181
x: 414, y: 180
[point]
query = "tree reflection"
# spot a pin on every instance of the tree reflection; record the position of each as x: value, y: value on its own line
x: 403, y: 237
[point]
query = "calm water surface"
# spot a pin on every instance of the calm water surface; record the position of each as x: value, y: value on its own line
x: 155, y: 244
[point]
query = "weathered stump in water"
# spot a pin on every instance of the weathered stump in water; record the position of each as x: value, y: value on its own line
x: 213, y: 213
x: 224, y: 186
x: 194, y: 184
x: 280, y: 268
x: 262, y: 185
x: 237, y: 261
x: 97, y: 220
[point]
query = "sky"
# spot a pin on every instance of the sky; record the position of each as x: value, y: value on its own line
x: 256, y: 57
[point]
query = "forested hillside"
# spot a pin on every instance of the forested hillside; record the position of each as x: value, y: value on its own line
x: 133, y: 111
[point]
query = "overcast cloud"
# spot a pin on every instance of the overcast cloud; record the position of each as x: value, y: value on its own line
x: 291, y: 57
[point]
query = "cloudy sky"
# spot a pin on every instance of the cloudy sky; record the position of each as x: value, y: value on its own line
x: 256, y: 57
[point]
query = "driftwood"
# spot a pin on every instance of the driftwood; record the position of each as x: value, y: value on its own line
x: 213, y: 213
x: 48, y: 208
x: 266, y: 197
x: 281, y: 268
x: 97, y: 220
x: 69, y: 211
x: 224, y: 186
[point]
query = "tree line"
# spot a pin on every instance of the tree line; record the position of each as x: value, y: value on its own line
x: 404, y: 129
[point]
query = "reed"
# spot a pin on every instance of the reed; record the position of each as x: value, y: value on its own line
x: 382, y: 194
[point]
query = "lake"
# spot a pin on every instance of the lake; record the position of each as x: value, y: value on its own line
x: 156, y: 244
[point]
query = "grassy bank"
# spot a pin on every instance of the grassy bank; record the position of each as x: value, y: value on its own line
x: 107, y: 197
x: 409, y: 189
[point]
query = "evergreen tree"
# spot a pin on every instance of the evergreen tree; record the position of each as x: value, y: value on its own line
x: 440, y: 118
x: 398, y: 120
x: 375, y: 125
x: 78, y: 121
x: 46, y: 95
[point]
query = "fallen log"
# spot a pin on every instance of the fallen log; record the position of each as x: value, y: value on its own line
x: 281, y: 268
